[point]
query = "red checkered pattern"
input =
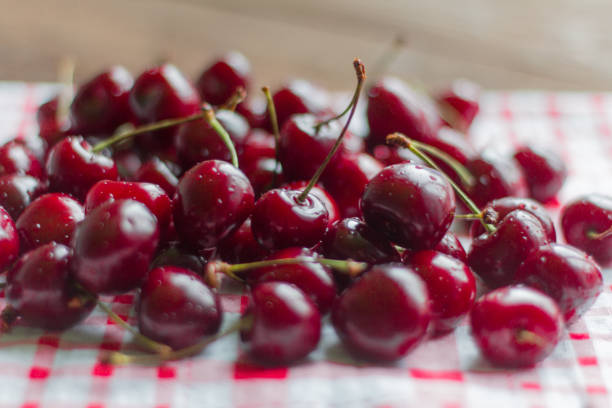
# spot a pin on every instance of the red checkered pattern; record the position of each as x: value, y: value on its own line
x: 62, y: 370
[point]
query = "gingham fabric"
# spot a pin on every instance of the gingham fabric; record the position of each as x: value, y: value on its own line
x: 40, y: 369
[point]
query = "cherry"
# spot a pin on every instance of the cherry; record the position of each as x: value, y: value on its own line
x: 586, y: 223
x: 41, y: 291
x: 451, y: 287
x: 176, y: 255
x: 566, y: 274
x: 157, y: 172
x: 503, y: 206
x: 52, y: 217
x: 17, y: 192
x: 51, y: 128
x: 393, y: 106
x: 459, y: 102
x: 176, y: 308
x: 516, y: 326
x: 224, y: 77
x: 544, y: 171
x: 102, y: 103
x: 128, y: 163
x: 9, y: 240
x: 73, y: 168
x: 212, y: 200
x: 450, y: 245
x: 496, y: 257
x: 151, y: 195
x: 15, y: 158
x: 113, y: 247
x: 389, y: 155
x: 299, y: 96
x: 241, y: 246
x: 253, y: 109
x: 425, y: 192
x: 456, y: 146
x: 257, y: 161
x: 333, y: 211
x: 285, y: 324
x: 384, y: 314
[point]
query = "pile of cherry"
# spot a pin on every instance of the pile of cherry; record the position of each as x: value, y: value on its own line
x: 167, y: 188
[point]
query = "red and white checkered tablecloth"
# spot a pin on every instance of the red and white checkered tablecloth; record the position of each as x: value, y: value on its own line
x: 40, y: 369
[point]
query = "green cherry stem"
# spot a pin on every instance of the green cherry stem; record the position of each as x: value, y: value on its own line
x: 401, y: 140
x: 275, y: 129
x: 361, y: 77
x: 600, y: 235
x: 234, y: 100
x: 66, y: 78
x: 463, y: 173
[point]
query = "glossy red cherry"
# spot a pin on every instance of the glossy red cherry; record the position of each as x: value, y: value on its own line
x: 328, y: 201
x: 242, y: 246
x: 280, y: 220
x: 566, y: 274
x: 384, y: 314
x: 15, y: 158
x: 253, y: 109
x: 393, y: 106
x: 51, y: 217
x: 450, y: 245
x: 285, y: 327
x: 212, y: 200
x: 460, y: 103
x: 544, y: 171
x: 51, y: 128
x: 173, y: 254
x: 451, y: 287
x: 223, y: 77
x: 157, y: 172
x: 176, y: 308
x: 18, y: 191
x: 114, y: 245
x: 503, y: 206
x: 411, y: 205
x: 257, y: 161
x: 299, y: 96
x: 101, y: 104
x: 72, y: 167
x: 496, y: 257
x: 516, y: 326
x: 9, y: 240
x: 584, y: 222
x: 41, y: 291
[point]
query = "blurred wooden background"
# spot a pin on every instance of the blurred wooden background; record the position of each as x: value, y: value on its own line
x: 553, y: 44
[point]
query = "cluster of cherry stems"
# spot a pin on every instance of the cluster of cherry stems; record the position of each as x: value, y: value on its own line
x: 174, y: 188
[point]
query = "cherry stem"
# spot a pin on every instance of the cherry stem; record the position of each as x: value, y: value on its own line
x: 529, y: 337
x: 234, y: 100
x: 8, y: 317
x: 469, y: 217
x: 361, y: 76
x: 463, y: 173
x: 274, y: 122
x: 401, y: 140
x: 66, y: 78
x: 117, y: 358
x: 600, y: 235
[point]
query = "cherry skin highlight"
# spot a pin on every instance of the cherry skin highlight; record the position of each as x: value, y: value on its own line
x: 18, y: 191
x: 298, y: 96
x: 15, y: 158
x: 9, y: 240
x: 545, y: 172
x: 157, y: 172
x: 224, y: 77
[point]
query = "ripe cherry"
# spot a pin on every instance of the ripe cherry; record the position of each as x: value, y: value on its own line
x: 459, y: 102
x: 389, y: 155
x: 544, y: 171
x: 113, y: 247
x: 285, y: 325
x: 253, y: 109
x: 51, y: 128
x: 176, y: 308
x: 241, y: 246
x: 456, y: 146
x: 384, y: 314
x: 425, y: 192
x: 516, y: 326
x: 174, y: 254
x: 157, y: 172
x: 15, y: 158
x: 224, y: 77
x: 299, y: 96
x: 41, y: 291
x: 566, y: 274
x: 450, y: 245
x: 52, y: 217
x: 9, y: 240
x: 328, y: 201
x: 17, y: 192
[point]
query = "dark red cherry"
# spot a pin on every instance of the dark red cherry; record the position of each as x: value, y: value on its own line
x: 114, y: 245
x: 212, y: 200
x: 496, y: 257
x: 9, y: 240
x: 253, y: 109
x: 544, y: 171
x: 566, y: 274
x: 157, y: 172
x: 457, y: 146
x: 51, y: 217
x: 72, y: 167
x: 101, y: 104
x: 41, y: 290
x: 15, y: 158
x: 584, y: 222
x: 242, y: 246
x: 176, y: 308
x: 280, y: 220
x: 17, y: 192
x: 259, y: 144
x: 299, y: 96
x: 389, y: 155
x: 384, y: 314
x: 223, y: 77
x: 151, y: 195
x: 346, y: 180
x: 314, y: 279
x: 285, y: 327
x: 394, y: 106
x: 302, y: 149
x: 495, y: 176
x: 451, y: 287
x: 51, y: 128
x: 503, y: 206
x: 261, y: 174
x: 177, y: 255
x: 351, y: 238
x: 516, y: 326
x: 128, y: 163
x: 411, y: 205
x: 333, y: 211
x: 197, y: 141
x: 460, y: 103
x: 450, y: 245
